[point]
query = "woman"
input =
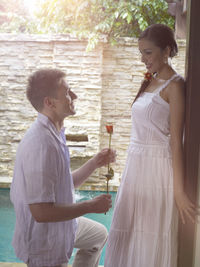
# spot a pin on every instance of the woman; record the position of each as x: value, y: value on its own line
x: 144, y: 225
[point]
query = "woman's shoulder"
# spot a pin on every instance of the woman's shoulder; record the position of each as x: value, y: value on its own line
x: 177, y: 82
x: 178, y: 79
x: 176, y: 88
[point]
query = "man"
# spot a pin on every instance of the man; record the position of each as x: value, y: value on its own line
x: 46, y: 228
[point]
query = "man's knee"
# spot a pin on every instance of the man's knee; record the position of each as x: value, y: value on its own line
x: 104, y: 234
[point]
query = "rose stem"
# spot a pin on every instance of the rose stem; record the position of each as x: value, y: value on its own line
x: 109, y: 148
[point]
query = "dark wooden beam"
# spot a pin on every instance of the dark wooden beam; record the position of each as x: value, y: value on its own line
x: 192, y: 135
x: 77, y: 137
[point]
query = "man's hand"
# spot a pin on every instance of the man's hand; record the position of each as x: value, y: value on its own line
x: 100, y: 204
x: 104, y: 157
x: 55, y: 212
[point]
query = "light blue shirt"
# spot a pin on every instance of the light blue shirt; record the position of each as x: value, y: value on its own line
x: 42, y: 174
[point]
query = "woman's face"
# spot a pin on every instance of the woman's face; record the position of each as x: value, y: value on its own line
x: 152, y: 56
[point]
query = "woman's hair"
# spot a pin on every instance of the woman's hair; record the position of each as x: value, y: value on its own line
x: 162, y: 36
x: 42, y: 83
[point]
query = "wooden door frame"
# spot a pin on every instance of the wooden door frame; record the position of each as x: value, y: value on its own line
x: 187, y: 232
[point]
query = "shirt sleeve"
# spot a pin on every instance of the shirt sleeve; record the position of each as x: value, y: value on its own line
x: 40, y: 169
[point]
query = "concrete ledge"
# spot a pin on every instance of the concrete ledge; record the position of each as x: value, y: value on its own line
x: 85, y: 187
x: 16, y: 264
x: 12, y: 264
x: 19, y: 264
x: 5, y: 185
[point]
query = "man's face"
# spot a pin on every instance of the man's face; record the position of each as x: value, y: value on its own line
x: 63, y: 102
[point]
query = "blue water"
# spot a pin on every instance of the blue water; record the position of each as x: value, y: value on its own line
x: 7, y: 223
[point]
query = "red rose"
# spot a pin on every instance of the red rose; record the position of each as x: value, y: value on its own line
x: 109, y: 129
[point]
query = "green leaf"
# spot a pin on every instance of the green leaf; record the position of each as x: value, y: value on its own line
x: 129, y: 18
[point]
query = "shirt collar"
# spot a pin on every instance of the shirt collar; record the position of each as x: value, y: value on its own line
x: 47, y: 123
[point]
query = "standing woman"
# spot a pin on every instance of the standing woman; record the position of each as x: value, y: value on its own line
x: 151, y: 195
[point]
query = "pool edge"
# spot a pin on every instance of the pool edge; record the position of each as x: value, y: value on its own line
x: 20, y: 264
x: 84, y: 187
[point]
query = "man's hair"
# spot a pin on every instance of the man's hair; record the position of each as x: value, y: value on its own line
x: 43, y: 83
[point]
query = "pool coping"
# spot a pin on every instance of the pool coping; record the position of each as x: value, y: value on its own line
x: 21, y: 264
x: 84, y: 187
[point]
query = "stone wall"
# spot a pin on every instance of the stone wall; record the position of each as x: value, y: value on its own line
x: 105, y: 80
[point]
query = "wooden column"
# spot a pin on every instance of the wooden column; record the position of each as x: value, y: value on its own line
x: 187, y: 232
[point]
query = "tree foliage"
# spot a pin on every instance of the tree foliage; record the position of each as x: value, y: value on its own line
x: 13, y: 16
x: 92, y: 18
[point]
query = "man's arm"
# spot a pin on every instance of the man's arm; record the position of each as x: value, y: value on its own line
x: 52, y: 212
x: 102, y: 158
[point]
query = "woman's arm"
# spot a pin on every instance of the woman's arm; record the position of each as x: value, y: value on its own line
x: 176, y: 96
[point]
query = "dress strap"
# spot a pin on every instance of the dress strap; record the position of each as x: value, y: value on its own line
x: 166, y: 83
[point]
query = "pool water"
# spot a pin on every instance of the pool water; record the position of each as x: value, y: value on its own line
x: 7, y: 223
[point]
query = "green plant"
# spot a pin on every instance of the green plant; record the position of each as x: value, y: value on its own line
x: 92, y: 18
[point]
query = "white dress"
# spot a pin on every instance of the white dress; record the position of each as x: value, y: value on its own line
x: 143, y: 232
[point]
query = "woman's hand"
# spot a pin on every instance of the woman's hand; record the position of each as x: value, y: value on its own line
x: 186, y: 208
x: 104, y: 157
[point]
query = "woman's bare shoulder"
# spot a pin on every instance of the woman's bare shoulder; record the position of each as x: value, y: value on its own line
x: 176, y: 89
x: 177, y: 83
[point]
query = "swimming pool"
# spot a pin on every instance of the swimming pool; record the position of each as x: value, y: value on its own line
x: 7, y: 222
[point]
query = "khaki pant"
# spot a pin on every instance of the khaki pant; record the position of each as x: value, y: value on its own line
x: 90, y: 239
